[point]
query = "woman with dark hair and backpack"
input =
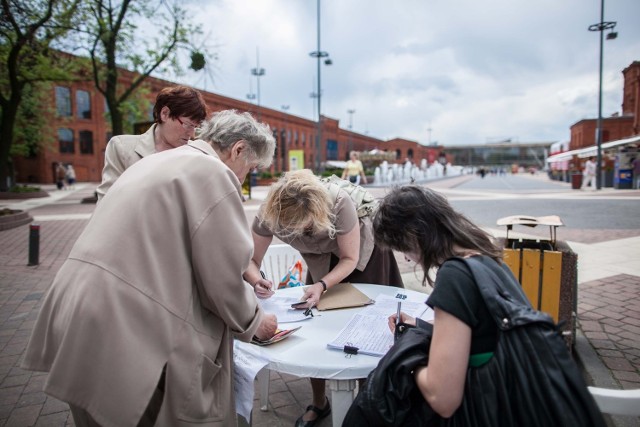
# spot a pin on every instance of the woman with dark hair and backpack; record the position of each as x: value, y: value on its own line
x: 491, y: 359
x: 321, y: 220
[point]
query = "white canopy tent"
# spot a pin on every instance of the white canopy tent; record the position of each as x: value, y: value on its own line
x: 593, y: 150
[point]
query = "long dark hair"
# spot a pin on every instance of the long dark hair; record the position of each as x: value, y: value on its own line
x: 416, y: 219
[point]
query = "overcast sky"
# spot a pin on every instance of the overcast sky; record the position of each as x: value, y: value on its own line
x: 445, y: 71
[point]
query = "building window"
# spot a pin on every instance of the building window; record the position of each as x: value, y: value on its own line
x: 63, y: 101
x: 86, y: 141
x: 65, y: 138
x: 83, y: 104
x: 398, y: 154
x: 410, y: 153
x: 332, y: 149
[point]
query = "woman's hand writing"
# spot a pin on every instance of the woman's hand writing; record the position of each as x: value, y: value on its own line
x: 263, y: 288
x: 404, y: 318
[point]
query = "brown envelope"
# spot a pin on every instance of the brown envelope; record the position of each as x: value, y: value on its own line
x: 343, y: 295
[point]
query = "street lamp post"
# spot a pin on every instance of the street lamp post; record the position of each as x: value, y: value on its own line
x: 318, y: 54
x: 350, y: 144
x: 285, y: 140
x: 258, y: 72
x: 601, y: 26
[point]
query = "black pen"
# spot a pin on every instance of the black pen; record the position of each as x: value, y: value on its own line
x: 397, y: 332
x: 264, y: 276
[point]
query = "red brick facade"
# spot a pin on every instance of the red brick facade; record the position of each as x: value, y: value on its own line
x: 583, y: 133
x: 291, y: 132
x: 631, y: 95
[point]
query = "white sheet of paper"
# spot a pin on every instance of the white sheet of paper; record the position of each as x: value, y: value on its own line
x: 387, y: 305
x: 281, y: 307
x: 370, y: 334
x: 248, y: 360
x: 369, y: 330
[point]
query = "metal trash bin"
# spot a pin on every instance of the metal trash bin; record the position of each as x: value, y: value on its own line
x: 546, y: 269
x: 576, y: 180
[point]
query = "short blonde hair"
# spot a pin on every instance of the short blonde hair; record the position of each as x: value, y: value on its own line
x: 299, y: 204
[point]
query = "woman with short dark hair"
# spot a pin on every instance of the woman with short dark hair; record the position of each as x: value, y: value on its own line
x: 177, y: 114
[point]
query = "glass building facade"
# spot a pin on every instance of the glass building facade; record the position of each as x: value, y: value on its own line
x: 500, y: 155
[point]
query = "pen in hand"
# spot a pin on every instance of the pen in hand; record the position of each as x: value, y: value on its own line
x: 398, y: 331
x: 268, y: 290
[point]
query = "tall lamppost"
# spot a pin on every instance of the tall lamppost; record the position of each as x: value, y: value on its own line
x: 284, y: 139
x: 350, y: 144
x: 601, y: 26
x: 318, y: 54
x: 258, y: 72
x: 251, y: 96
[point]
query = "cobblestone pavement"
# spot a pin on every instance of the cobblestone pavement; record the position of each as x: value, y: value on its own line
x: 608, y: 343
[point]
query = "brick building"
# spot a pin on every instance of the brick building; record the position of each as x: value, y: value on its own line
x: 620, y: 137
x: 616, y: 127
x: 81, y: 132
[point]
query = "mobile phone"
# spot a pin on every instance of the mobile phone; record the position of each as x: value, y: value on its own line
x: 298, y: 304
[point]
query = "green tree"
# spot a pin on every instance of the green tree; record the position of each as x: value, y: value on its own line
x: 143, y: 36
x: 28, y: 28
x: 31, y: 132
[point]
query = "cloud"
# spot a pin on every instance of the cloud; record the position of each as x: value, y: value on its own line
x: 456, y: 72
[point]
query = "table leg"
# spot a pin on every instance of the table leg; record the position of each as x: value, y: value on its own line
x: 263, y: 387
x: 342, y: 395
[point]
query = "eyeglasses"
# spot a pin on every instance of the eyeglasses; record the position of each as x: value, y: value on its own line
x: 186, y: 126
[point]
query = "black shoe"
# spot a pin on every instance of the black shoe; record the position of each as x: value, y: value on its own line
x: 321, y: 413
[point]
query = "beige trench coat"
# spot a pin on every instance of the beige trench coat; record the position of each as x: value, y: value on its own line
x: 155, y: 279
x: 122, y: 151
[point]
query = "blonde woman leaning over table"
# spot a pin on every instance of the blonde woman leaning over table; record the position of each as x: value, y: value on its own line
x: 336, y: 245
x: 354, y: 170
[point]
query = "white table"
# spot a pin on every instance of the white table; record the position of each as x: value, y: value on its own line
x: 305, y: 353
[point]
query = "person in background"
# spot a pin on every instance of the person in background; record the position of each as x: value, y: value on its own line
x: 138, y: 325
x: 589, y: 174
x: 177, y: 113
x: 61, y: 173
x: 70, y: 175
x: 354, y: 170
x: 335, y: 243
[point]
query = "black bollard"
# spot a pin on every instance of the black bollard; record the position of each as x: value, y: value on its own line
x: 34, y: 244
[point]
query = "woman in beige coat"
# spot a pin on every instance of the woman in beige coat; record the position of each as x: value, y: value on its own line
x: 177, y: 112
x: 138, y: 325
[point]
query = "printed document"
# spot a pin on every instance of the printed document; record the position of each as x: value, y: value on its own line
x: 368, y: 330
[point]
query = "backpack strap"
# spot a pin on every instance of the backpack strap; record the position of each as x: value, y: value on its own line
x: 502, y: 294
x: 365, y: 203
